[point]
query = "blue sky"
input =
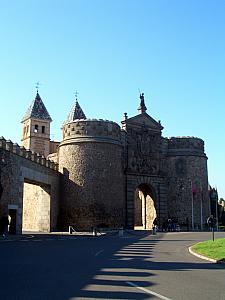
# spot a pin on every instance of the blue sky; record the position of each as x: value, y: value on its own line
x: 173, y: 51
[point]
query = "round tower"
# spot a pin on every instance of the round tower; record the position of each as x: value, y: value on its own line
x: 90, y: 158
x: 188, y: 199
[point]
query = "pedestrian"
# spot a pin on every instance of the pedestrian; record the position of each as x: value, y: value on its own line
x: 210, y: 222
x: 165, y: 226
x: 4, y: 225
x: 169, y: 225
x: 1, y: 226
x: 155, y: 226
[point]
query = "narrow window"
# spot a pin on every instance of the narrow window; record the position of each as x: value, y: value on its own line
x: 43, y: 129
x: 35, y: 128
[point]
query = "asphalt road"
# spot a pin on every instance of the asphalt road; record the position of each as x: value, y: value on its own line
x: 136, y: 266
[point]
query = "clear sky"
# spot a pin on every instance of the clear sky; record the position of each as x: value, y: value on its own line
x: 173, y: 51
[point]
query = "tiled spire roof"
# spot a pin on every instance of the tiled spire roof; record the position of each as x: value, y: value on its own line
x: 75, y: 113
x: 37, y: 110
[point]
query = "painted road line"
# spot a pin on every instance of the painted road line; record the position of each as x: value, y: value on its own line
x: 148, y: 291
x: 99, y: 252
x: 31, y: 236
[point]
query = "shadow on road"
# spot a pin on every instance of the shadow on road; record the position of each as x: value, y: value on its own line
x: 83, y: 268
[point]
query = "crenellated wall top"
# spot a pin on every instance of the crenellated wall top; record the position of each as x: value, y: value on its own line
x: 181, y: 142
x: 185, y: 145
x: 14, y: 148
x: 91, y: 129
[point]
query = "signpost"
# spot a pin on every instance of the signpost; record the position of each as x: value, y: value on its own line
x: 211, y: 221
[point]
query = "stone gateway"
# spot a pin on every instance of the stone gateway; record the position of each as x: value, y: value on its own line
x: 101, y: 174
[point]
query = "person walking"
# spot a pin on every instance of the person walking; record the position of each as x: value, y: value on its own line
x: 4, y: 225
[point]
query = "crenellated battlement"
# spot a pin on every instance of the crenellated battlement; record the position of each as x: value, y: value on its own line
x: 93, y: 129
x: 14, y: 148
x: 185, y: 145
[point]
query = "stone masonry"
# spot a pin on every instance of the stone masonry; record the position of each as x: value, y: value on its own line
x: 101, y: 174
x: 90, y: 157
x: 18, y: 168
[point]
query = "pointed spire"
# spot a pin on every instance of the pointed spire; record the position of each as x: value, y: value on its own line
x: 75, y: 113
x: 142, y: 108
x: 37, y: 110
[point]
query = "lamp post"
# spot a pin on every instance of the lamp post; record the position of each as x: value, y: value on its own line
x: 217, y: 221
x: 201, y: 208
x: 192, y: 205
x: 214, y: 198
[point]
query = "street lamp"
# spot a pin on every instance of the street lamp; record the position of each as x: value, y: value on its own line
x: 201, y: 203
x: 214, y: 198
x: 192, y: 204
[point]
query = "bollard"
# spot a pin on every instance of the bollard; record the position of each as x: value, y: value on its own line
x: 120, y: 232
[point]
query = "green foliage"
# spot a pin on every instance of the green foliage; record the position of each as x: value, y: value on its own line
x: 215, y: 250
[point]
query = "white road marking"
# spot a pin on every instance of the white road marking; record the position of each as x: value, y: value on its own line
x: 30, y: 236
x: 96, y: 254
x: 148, y: 291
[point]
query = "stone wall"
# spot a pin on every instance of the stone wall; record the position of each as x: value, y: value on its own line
x: 187, y: 181
x: 97, y: 130
x: 53, y: 147
x: 17, y: 166
x: 93, y: 182
x: 36, y: 207
x: 35, y: 139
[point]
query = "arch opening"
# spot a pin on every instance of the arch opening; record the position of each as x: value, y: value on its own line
x: 36, y: 207
x: 144, y: 208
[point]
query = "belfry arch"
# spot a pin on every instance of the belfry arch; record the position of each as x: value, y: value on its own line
x: 144, y: 207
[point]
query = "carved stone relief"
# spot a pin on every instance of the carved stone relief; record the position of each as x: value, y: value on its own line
x: 143, y: 152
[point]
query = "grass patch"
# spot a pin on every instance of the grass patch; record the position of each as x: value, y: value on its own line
x: 211, y: 249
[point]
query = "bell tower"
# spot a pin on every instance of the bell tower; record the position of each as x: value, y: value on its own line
x: 36, y: 127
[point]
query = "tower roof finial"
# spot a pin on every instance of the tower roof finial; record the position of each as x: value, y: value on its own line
x: 142, y: 108
x: 37, y: 86
x: 76, y: 94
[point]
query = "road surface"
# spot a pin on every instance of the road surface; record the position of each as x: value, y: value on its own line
x: 135, y: 266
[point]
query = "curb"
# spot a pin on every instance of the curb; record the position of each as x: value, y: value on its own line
x: 205, y: 257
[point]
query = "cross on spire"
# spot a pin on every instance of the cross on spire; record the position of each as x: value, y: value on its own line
x: 37, y: 86
x: 76, y: 94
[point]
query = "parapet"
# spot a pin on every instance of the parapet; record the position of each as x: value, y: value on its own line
x: 91, y: 130
x: 185, y: 145
x: 14, y: 148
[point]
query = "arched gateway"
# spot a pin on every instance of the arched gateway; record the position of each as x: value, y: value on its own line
x: 144, y: 207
